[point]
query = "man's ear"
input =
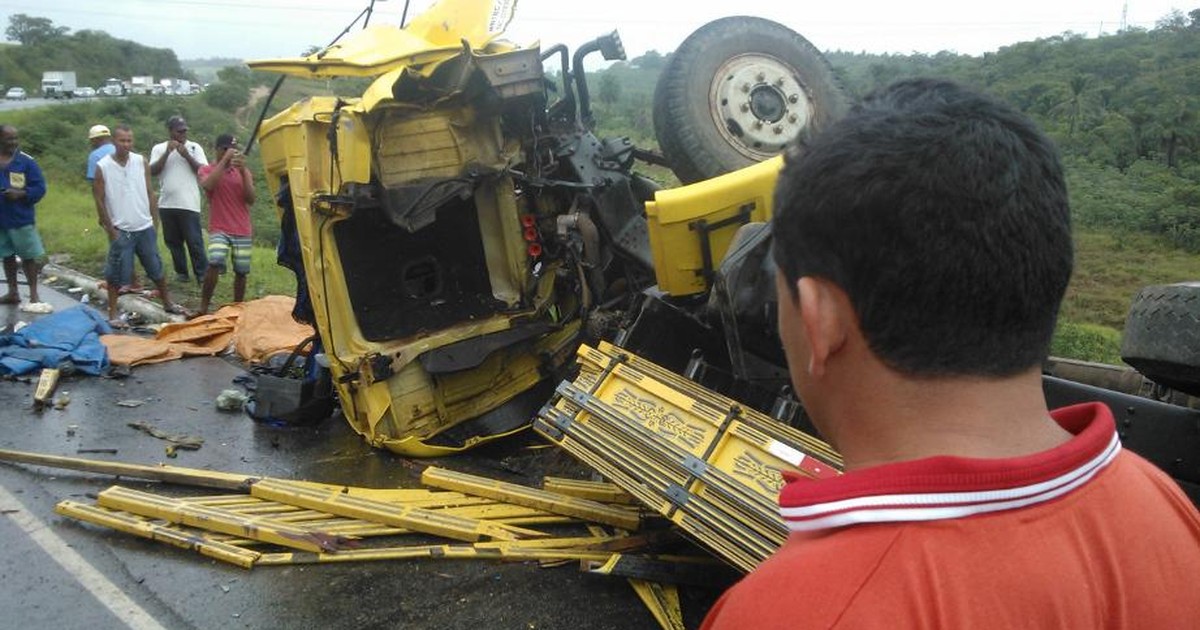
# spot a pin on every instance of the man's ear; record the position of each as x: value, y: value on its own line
x: 821, y: 311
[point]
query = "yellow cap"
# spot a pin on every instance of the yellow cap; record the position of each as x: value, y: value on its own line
x: 98, y: 131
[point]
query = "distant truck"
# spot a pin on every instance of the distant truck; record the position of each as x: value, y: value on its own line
x: 142, y: 85
x: 113, y: 87
x: 183, y: 87
x: 58, y: 84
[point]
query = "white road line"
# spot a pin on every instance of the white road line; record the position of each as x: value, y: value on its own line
x: 88, y: 576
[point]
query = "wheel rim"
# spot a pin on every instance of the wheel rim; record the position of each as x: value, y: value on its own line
x: 758, y: 104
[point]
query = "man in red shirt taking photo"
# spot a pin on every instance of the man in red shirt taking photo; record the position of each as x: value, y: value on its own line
x: 230, y: 189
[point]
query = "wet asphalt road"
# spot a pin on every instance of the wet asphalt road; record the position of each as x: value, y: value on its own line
x: 150, y: 583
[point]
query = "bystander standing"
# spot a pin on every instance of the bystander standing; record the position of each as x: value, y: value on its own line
x: 175, y: 163
x: 22, y: 187
x: 100, y: 139
x: 923, y: 246
x: 230, y: 189
x: 128, y: 212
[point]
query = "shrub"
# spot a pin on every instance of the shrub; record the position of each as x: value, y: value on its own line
x: 1086, y: 342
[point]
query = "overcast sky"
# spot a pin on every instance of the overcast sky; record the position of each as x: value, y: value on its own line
x: 256, y: 29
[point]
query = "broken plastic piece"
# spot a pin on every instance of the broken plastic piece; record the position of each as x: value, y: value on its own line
x: 231, y: 400
x: 40, y: 308
x: 47, y: 381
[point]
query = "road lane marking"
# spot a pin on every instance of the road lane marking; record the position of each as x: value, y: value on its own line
x: 105, y: 592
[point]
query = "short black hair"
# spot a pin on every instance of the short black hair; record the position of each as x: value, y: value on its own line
x: 225, y: 140
x: 943, y: 214
x: 176, y: 121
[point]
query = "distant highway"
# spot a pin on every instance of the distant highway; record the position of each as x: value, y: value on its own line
x: 8, y: 106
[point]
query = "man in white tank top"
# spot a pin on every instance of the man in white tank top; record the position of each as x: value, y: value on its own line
x: 128, y: 212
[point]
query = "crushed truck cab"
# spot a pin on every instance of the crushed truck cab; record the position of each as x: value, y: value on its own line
x: 431, y: 302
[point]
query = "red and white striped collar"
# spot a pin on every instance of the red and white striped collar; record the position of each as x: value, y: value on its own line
x: 944, y: 487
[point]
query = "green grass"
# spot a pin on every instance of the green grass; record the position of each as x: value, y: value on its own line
x: 1088, y: 342
x: 1109, y: 269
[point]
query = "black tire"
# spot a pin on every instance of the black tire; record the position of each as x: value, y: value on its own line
x: 1162, y: 335
x: 738, y: 91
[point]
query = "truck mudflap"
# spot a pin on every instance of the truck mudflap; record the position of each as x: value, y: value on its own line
x: 699, y: 459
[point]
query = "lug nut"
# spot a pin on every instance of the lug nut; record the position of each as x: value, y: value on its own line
x: 793, y: 118
x: 745, y: 107
x: 794, y: 98
x: 758, y: 124
x: 746, y: 87
x: 761, y: 76
x: 778, y: 129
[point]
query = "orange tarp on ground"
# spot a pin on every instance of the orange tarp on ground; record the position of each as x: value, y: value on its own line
x: 266, y: 328
x: 255, y: 329
x: 132, y: 350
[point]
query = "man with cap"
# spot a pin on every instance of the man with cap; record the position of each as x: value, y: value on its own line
x: 175, y: 163
x: 101, y: 140
x: 230, y: 189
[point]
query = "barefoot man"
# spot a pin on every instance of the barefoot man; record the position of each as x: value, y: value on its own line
x: 128, y: 212
x: 22, y: 186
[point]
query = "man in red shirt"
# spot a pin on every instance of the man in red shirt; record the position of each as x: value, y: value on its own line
x: 230, y: 189
x: 923, y: 246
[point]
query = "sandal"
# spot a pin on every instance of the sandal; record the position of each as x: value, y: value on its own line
x: 118, y: 324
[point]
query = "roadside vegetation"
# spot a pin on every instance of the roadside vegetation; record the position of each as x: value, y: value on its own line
x: 1121, y: 107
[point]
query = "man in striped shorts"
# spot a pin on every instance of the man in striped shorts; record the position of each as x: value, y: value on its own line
x: 230, y: 189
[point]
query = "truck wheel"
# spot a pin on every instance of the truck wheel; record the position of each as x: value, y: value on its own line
x: 739, y: 90
x: 1162, y: 335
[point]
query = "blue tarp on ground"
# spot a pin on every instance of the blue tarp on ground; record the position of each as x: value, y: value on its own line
x: 71, y: 336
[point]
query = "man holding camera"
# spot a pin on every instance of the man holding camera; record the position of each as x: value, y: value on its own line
x: 230, y: 189
x: 175, y: 163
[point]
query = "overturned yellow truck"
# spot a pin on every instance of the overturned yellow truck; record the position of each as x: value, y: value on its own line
x: 462, y: 229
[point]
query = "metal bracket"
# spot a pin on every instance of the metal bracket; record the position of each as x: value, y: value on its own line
x: 695, y: 466
x: 677, y: 495
x: 703, y: 229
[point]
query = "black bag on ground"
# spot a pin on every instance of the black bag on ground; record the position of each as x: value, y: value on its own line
x: 290, y: 393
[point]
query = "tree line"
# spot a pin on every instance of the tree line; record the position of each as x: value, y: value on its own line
x: 93, y: 55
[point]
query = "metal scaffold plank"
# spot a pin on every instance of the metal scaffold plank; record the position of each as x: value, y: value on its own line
x: 448, y: 552
x: 662, y: 600
x: 260, y: 528
x: 532, y: 497
x: 598, y: 491
x: 421, y: 520
x: 138, y: 526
